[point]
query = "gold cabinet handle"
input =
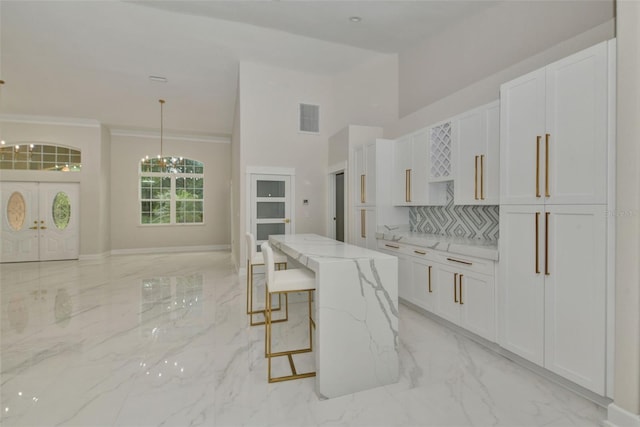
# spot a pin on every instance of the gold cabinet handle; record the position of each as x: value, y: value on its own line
x: 459, y: 261
x: 536, y: 245
x: 538, y: 165
x: 546, y: 244
x: 455, y: 290
x: 42, y: 227
x: 429, y: 275
x: 407, y: 185
x: 392, y: 246
x: 546, y: 166
x: 363, y: 225
x: 35, y: 227
x: 475, y: 179
x: 419, y: 252
x: 363, y: 198
x: 460, y: 290
x: 482, y: 177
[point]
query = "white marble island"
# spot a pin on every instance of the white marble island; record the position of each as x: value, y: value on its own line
x: 356, y: 312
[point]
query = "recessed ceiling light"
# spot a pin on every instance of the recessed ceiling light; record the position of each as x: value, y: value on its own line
x: 158, y: 79
x: 355, y: 19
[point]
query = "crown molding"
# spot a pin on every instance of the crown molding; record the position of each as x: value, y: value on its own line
x: 49, y: 120
x: 137, y: 133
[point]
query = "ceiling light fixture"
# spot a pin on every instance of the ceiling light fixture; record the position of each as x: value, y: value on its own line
x: 160, y: 164
x: 355, y: 19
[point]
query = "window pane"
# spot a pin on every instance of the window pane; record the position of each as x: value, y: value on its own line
x: 265, y: 230
x: 270, y: 189
x: 61, y: 211
x: 270, y: 210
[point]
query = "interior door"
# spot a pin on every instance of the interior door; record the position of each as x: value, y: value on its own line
x: 270, y: 206
x: 19, y: 221
x: 40, y: 221
x: 59, y: 222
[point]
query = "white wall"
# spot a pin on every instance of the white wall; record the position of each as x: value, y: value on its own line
x: 627, y: 350
x: 488, y: 42
x: 487, y: 89
x: 128, y: 234
x: 83, y: 135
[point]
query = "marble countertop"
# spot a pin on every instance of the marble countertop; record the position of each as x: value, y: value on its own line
x: 458, y: 245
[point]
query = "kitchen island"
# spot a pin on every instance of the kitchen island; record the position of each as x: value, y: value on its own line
x: 356, y: 312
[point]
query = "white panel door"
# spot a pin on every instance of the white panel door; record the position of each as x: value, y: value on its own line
x: 448, y: 296
x: 424, y: 284
x: 270, y: 206
x: 477, y: 302
x: 575, y: 294
x: 576, y: 105
x: 522, y: 130
x: 470, y: 145
x: 19, y: 236
x: 40, y: 221
x: 59, y: 221
x: 402, y: 171
x: 370, y: 174
x: 521, y: 281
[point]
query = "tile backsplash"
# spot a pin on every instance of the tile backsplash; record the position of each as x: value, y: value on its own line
x: 473, y: 222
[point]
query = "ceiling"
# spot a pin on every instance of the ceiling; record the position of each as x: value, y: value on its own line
x: 92, y: 59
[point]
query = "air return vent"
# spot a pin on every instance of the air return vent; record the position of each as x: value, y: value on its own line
x: 309, y: 118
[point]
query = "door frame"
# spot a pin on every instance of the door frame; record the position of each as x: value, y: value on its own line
x: 332, y: 171
x: 265, y: 170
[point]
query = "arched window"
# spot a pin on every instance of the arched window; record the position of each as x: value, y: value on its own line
x: 171, y: 191
x: 40, y: 157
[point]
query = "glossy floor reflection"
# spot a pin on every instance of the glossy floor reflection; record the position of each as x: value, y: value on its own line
x: 164, y: 340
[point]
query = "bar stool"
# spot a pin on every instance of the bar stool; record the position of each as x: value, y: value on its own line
x: 285, y: 282
x: 255, y: 258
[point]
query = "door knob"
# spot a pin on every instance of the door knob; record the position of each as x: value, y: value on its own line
x: 287, y: 220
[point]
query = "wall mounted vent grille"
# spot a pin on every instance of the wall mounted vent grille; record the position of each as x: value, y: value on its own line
x: 309, y: 118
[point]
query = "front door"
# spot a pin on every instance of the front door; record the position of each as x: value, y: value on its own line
x: 270, y: 206
x: 40, y: 221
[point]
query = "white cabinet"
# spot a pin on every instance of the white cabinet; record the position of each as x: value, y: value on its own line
x: 477, y: 154
x: 440, y: 152
x: 425, y: 283
x: 552, y: 288
x: 371, y: 192
x: 467, y: 298
x: 411, y: 185
x: 365, y: 227
x: 553, y: 136
x: 365, y: 174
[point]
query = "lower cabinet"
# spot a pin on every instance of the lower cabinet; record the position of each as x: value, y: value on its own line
x: 460, y: 290
x: 467, y: 299
x: 365, y: 227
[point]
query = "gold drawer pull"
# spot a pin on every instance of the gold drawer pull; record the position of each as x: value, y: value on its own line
x: 482, y: 177
x: 546, y: 244
x: 420, y: 252
x: 430, y: 280
x: 538, y: 166
x: 362, y: 189
x: 363, y: 224
x: 475, y: 179
x: 392, y: 246
x: 536, y: 246
x: 460, y: 284
x: 459, y: 261
x: 546, y: 166
x: 455, y: 290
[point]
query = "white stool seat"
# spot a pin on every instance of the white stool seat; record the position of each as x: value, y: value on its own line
x: 255, y: 258
x: 284, y: 282
x: 296, y: 280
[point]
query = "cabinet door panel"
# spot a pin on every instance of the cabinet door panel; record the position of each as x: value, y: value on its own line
x: 491, y: 164
x: 370, y: 174
x: 402, y: 163
x: 359, y: 176
x: 575, y: 294
x: 477, y: 302
x: 521, y: 281
x: 576, y: 106
x: 424, y: 284
x: 470, y: 131
x: 420, y: 169
x: 448, y: 298
x: 522, y: 124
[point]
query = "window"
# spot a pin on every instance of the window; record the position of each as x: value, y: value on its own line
x: 171, y: 191
x: 40, y: 157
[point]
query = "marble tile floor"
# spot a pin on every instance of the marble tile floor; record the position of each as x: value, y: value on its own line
x: 163, y: 340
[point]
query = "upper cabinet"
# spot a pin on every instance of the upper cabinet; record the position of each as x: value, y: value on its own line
x: 365, y: 173
x: 554, y: 130
x: 476, y: 147
x: 411, y: 186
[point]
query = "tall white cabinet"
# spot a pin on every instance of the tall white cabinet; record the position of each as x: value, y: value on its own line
x: 371, y: 191
x: 553, y: 216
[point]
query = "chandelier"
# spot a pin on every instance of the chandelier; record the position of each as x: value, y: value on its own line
x: 159, y: 163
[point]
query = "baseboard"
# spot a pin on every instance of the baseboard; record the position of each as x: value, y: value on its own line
x: 171, y: 249
x: 94, y: 257
x: 618, y: 417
